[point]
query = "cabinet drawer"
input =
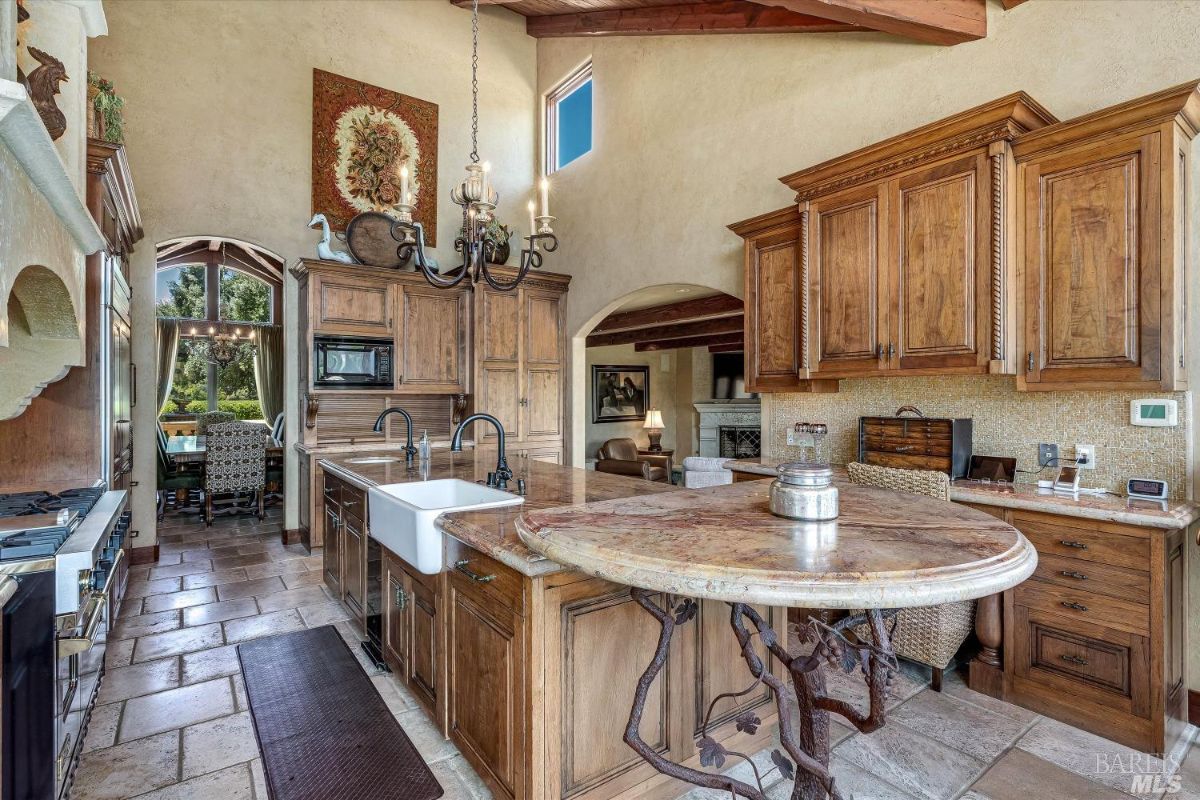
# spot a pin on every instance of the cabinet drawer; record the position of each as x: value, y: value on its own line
x: 1094, y: 577
x: 908, y: 461
x: 354, y: 501
x: 1082, y: 605
x: 332, y: 489
x: 1102, y: 665
x: 915, y: 445
x: 483, y: 576
x: 1088, y: 544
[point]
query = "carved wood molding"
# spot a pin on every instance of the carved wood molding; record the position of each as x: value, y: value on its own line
x: 804, y: 290
x: 999, y: 253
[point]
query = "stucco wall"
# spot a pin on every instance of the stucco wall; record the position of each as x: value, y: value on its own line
x: 663, y: 393
x: 218, y: 126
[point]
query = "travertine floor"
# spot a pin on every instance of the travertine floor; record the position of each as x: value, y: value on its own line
x: 172, y: 721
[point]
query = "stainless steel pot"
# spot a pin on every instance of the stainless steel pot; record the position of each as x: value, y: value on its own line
x: 804, y: 491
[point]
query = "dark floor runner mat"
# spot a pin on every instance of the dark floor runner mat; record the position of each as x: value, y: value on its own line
x: 324, y: 731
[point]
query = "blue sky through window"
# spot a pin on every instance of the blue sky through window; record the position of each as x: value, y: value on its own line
x: 574, y: 125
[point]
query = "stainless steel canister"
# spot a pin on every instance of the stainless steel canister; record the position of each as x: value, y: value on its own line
x: 804, y: 491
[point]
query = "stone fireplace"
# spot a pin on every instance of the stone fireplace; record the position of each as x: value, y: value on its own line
x: 737, y: 423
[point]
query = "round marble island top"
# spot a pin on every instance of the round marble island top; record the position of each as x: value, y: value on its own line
x: 886, y: 550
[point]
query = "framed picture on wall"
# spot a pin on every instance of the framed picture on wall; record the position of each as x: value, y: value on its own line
x: 620, y: 393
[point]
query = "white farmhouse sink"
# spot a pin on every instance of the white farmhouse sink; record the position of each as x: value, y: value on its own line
x: 402, y: 515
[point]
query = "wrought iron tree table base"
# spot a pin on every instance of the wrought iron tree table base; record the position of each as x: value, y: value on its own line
x: 804, y: 707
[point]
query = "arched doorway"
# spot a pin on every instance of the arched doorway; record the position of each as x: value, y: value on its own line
x: 654, y: 350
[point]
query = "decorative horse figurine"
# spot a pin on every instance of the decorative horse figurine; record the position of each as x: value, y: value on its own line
x: 324, y: 251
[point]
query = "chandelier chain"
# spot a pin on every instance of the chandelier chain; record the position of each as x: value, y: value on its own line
x: 475, y: 82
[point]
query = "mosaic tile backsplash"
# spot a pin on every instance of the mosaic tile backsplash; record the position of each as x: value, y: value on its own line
x: 1006, y: 423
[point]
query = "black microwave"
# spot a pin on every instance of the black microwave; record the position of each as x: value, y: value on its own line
x: 343, y: 361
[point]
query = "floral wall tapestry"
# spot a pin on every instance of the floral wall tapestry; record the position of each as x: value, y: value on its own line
x: 362, y: 136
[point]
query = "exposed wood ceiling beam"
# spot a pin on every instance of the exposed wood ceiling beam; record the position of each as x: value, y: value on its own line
x: 677, y: 331
x: 719, y: 305
x: 1011, y: 3
x: 724, y: 16
x: 175, y: 248
x: 214, y: 245
x: 933, y: 21
x: 695, y: 341
x: 727, y: 348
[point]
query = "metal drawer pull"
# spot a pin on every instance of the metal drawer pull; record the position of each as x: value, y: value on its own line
x: 1076, y: 660
x: 1079, y: 576
x: 401, y: 598
x: 1075, y: 606
x: 1076, y: 545
x: 906, y: 448
x: 461, y: 566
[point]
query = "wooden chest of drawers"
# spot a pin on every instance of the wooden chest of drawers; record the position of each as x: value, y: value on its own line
x: 918, y: 442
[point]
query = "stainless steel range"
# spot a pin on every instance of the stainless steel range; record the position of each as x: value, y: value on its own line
x: 62, y: 576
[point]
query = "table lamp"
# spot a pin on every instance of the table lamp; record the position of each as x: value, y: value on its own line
x: 654, y: 428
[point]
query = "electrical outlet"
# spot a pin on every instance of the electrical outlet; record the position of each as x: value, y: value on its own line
x: 792, y: 435
x: 1085, y: 456
x: 797, y: 439
x: 1047, y: 455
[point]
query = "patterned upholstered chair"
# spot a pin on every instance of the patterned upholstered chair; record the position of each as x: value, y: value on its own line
x: 699, y: 472
x: 929, y: 635
x: 209, y: 418
x: 234, y: 462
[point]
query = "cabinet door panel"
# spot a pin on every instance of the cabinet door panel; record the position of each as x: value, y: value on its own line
x: 721, y: 666
x: 423, y: 678
x: 940, y: 281
x: 499, y: 395
x: 847, y: 275
x: 499, y: 320
x: 543, y: 404
x: 435, y: 330
x: 773, y: 319
x: 543, y: 335
x: 396, y: 632
x: 331, y: 550
x: 1092, y: 280
x: 353, y: 561
x: 346, y: 305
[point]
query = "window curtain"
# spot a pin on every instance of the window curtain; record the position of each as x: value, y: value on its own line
x: 168, y: 349
x: 268, y: 370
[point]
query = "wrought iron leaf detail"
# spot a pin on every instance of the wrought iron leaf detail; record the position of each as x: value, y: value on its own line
x: 712, y: 753
x: 783, y: 764
x: 686, y: 611
x: 748, y: 722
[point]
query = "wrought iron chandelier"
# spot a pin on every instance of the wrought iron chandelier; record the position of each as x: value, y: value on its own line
x: 478, y: 199
x: 224, y: 348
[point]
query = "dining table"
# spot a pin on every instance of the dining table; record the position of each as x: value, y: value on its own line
x: 191, y: 449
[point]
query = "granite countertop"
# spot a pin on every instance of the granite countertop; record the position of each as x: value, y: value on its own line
x: 885, y: 550
x: 343, y: 448
x: 493, y: 531
x: 1167, y: 514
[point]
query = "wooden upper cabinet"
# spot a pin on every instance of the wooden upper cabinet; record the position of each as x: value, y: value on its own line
x: 849, y: 282
x: 940, y: 272
x: 433, y: 341
x: 351, y: 305
x: 1104, y: 213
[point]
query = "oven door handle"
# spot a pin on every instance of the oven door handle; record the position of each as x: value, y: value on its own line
x: 8, y: 588
x: 96, y: 606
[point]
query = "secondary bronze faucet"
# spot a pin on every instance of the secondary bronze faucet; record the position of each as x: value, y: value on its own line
x: 503, y: 474
x: 409, y: 450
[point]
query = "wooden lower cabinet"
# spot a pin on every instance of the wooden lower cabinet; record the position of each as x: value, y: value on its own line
x: 412, y: 630
x: 344, y: 541
x: 332, y: 550
x: 1095, y: 638
x: 354, y: 559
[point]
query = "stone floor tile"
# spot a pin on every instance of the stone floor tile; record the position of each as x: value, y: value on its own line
x: 292, y: 566
x: 323, y: 614
x: 148, y: 588
x: 1086, y: 754
x: 231, y: 783
x: 241, y: 561
x: 479, y: 790
x: 102, y: 726
x: 218, y: 743
x: 130, y: 607
x: 958, y: 690
x: 184, y: 640
x: 202, y: 554
x: 386, y: 684
x: 220, y: 612
x: 179, y: 570
x: 176, y: 708
x: 144, y: 624
x: 302, y: 578
x: 1023, y: 776
x: 912, y: 762
x: 214, y: 578
x: 205, y: 665
x: 963, y: 726
x: 851, y: 781
x: 426, y: 737
x: 852, y: 688
x: 192, y: 597
x: 122, y: 683
x: 118, y: 654
x: 293, y: 598
x: 127, y: 770
x: 249, y: 588
x: 453, y: 786
x: 259, y: 778
x: 241, y: 630
x: 240, y: 700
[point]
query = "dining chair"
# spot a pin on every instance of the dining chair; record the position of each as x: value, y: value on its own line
x: 929, y: 635
x: 234, y: 462
x: 208, y: 418
x: 277, y: 428
x: 172, y: 478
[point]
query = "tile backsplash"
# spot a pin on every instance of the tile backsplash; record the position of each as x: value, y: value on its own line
x: 1006, y: 423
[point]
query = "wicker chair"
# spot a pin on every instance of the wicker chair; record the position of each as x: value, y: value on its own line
x: 209, y: 418
x: 928, y: 635
x: 235, y: 461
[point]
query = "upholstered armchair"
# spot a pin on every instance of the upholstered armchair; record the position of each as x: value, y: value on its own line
x: 699, y: 472
x: 209, y: 418
x: 621, y: 457
x: 235, y: 461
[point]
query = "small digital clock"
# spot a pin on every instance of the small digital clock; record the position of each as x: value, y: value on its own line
x: 1146, y: 488
x: 1154, y: 413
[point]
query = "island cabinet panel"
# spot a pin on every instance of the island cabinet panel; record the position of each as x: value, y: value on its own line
x: 331, y: 553
x: 412, y: 630
x: 849, y: 279
x: 352, y: 306
x: 940, y: 275
x: 1105, y: 216
x: 397, y: 618
x: 354, y: 559
x: 720, y: 668
x: 1096, y: 637
x: 433, y: 344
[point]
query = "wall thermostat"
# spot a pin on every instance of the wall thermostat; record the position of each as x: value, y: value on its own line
x: 1146, y: 488
x: 1154, y: 413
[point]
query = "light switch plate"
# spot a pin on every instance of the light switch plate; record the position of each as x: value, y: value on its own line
x: 1047, y: 455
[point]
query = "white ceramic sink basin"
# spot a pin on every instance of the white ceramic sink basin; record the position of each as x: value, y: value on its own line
x: 402, y: 515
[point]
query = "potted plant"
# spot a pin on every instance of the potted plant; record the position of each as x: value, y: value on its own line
x: 497, y: 249
x: 107, y: 121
